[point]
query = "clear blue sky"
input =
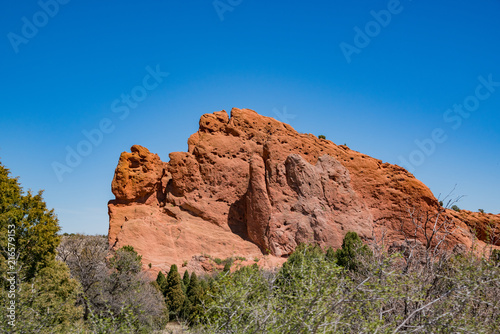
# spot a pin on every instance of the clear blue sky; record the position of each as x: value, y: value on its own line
x: 64, y: 70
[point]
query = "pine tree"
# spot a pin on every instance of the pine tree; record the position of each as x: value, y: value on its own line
x: 185, y: 282
x: 194, y: 295
x: 161, y: 280
x: 193, y: 288
x: 174, y: 295
x: 186, y: 309
x: 185, y: 279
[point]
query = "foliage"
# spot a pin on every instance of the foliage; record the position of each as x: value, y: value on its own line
x: 495, y: 256
x: 46, y: 304
x: 33, y: 284
x: 173, y: 292
x: 321, y: 137
x: 33, y: 226
x: 186, y: 279
x: 116, y: 295
x: 455, y: 208
x: 126, y: 292
x: 161, y: 280
x: 352, y: 249
x: 313, y: 294
x: 125, y: 322
x: 126, y: 261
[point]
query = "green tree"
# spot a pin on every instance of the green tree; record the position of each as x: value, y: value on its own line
x: 126, y: 261
x: 42, y: 290
x: 194, y: 297
x: 123, y: 300
x: 173, y: 292
x: 32, y: 227
x: 331, y: 254
x: 185, y: 281
x: 352, y: 250
x: 50, y: 300
x: 186, y: 278
x: 161, y: 280
x: 292, y: 269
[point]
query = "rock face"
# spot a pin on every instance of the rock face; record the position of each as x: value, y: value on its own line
x: 250, y: 185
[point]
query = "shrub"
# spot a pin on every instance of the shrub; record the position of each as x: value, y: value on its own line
x: 311, y: 294
x: 495, y: 256
x: 321, y: 137
x: 455, y: 208
x: 352, y: 249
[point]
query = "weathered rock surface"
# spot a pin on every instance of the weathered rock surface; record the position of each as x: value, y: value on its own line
x: 250, y: 185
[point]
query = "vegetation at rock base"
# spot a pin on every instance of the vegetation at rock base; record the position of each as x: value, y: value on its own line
x: 383, y: 294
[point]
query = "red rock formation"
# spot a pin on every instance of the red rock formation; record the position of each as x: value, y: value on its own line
x: 250, y: 185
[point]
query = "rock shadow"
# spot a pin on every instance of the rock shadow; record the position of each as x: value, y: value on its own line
x: 237, y: 218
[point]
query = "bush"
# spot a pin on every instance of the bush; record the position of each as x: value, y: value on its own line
x: 455, y: 208
x: 429, y: 291
x: 352, y: 250
x: 113, y: 289
x: 321, y: 137
x: 495, y: 256
x: 311, y: 294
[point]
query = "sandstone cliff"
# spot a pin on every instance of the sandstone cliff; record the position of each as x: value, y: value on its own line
x: 250, y: 186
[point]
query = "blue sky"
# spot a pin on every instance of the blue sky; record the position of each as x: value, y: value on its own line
x: 67, y: 65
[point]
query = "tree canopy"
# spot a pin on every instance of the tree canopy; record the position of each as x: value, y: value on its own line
x: 34, y: 227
